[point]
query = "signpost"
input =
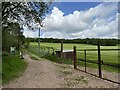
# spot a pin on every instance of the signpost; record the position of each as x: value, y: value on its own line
x: 12, y: 50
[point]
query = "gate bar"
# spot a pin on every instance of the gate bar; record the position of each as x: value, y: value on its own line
x: 85, y: 60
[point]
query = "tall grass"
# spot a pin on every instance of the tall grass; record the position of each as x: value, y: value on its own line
x: 12, y: 67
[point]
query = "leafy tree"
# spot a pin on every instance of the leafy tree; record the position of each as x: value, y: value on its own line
x: 24, y: 12
x: 11, y: 35
x: 17, y: 14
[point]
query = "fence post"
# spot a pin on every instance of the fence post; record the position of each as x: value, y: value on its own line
x: 74, y: 57
x: 99, y: 61
x: 61, y: 49
x: 85, y: 60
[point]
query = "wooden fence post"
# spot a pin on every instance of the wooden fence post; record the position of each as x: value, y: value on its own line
x: 85, y: 60
x: 99, y: 61
x: 61, y: 49
x: 74, y: 57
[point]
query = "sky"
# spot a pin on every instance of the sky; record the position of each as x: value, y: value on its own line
x: 71, y: 20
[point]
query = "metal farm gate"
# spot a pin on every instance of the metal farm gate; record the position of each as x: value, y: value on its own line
x: 92, y: 61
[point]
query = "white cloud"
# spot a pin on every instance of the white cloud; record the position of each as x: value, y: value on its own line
x: 30, y: 33
x: 98, y: 22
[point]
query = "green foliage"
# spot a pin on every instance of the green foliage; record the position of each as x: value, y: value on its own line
x: 35, y: 50
x: 12, y: 67
x: 9, y: 37
x: 24, y: 12
x: 57, y: 59
x: 26, y: 44
x: 17, y: 14
x: 33, y: 57
x: 93, y: 41
x: 52, y: 58
x: 12, y: 36
x: 4, y: 54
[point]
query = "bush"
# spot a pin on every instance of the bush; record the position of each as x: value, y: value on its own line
x: 4, y: 54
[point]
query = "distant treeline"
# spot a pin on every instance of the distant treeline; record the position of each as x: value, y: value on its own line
x: 93, y: 41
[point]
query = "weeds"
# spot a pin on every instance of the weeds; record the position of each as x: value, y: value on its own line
x: 66, y: 72
x: 33, y: 57
x: 81, y: 79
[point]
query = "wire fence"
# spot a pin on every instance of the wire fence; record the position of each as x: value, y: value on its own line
x: 47, y: 50
x: 42, y: 51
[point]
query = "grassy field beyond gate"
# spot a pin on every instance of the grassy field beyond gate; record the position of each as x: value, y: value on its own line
x: 107, y: 56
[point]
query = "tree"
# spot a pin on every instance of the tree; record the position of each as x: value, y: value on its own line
x: 18, y: 14
x: 24, y: 12
x: 11, y: 35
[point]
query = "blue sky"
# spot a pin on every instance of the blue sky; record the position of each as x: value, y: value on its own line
x: 80, y: 20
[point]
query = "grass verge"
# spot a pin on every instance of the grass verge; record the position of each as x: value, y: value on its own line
x: 58, y: 59
x: 33, y: 57
x: 12, y: 67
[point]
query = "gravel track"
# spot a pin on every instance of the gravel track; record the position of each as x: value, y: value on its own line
x: 46, y: 74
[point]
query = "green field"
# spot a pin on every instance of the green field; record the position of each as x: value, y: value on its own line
x: 107, y: 56
x: 67, y: 46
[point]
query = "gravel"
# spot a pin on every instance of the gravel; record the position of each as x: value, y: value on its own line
x: 47, y: 74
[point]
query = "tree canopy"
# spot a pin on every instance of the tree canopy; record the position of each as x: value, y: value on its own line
x: 24, y: 12
x: 15, y: 15
x: 93, y: 41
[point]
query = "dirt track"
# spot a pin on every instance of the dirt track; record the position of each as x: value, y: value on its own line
x: 46, y: 74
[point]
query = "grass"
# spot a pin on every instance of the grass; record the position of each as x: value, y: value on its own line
x: 74, y: 82
x: 107, y: 56
x: 57, y: 46
x: 95, y: 66
x: 57, y: 59
x: 12, y: 67
x: 34, y: 58
x: 81, y: 79
x: 66, y: 72
x: 35, y: 50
